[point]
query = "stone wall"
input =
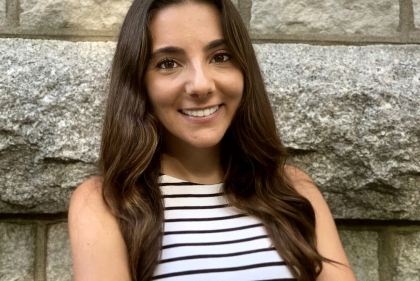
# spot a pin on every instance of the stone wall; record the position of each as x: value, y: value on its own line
x: 343, y: 77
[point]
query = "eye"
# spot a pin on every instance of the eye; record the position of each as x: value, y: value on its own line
x: 219, y: 58
x: 167, y: 64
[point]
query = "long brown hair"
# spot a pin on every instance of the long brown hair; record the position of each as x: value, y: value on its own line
x: 253, y: 156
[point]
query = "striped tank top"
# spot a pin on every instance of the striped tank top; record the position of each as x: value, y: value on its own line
x: 205, y: 239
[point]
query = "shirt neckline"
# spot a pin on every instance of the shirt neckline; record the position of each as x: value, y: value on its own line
x: 177, y: 180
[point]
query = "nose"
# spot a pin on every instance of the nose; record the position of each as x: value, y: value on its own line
x: 200, y: 81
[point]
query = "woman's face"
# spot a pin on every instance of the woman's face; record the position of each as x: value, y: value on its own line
x: 194, y: 84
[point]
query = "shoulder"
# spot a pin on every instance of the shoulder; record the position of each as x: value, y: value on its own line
x: 304, y: 184
x: 328, y: 241
x: 88, y: 193
x: 296, y: 175
x: 98, y: 248
x: 306, y: 187
x: 87, y: 202
x: 88, y: 197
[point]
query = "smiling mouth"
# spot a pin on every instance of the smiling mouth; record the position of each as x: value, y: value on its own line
x: 201, y: 113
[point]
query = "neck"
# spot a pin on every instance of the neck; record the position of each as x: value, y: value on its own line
x: 199, y: 165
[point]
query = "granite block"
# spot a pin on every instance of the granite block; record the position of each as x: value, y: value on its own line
x: 59, y: 259
x: 324, y: 17
x: 362, y: 251
x: 86, y: 14
x: 17, y: 252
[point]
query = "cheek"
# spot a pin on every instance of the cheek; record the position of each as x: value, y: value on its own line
x: 156, y: 93
x: 156, y: 105
x: 241, y: 85
x: 234, y: 85
x: 162, y: 90
x: 163, y: 104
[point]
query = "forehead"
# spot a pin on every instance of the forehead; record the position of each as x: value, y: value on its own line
x: 186, y: 24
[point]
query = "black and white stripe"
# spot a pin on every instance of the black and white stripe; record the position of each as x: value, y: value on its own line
x: 205, y: 239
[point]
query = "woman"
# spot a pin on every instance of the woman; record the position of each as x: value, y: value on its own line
x: 194, y: 184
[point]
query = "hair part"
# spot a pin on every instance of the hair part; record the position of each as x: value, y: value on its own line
x: 253, y: 156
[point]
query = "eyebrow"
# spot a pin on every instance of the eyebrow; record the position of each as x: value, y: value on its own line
x: 176, y: 50
x: 214, y: 44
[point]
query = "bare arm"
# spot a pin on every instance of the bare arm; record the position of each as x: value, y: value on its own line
x: 98, y: 248
x: 328, y: 241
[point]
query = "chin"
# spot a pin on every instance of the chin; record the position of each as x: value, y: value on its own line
x: 205, y: 143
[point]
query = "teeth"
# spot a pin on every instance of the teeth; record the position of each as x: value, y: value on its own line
x: 201, y: 113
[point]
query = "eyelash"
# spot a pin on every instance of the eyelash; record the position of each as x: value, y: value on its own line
x: 167, y: 60
x: 160, y: 64
x: 222, y: 55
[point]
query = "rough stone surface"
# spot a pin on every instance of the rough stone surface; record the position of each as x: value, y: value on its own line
x: 407, y: 256
x: 351, y: 117
x: 59, y: 260
x: 17, y: 246
x: 86, y: 14
x: 362, y: 251
x: 2, y: 12
x: 416, y: 9
x: 52, y: 97
x: 344, y: 17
